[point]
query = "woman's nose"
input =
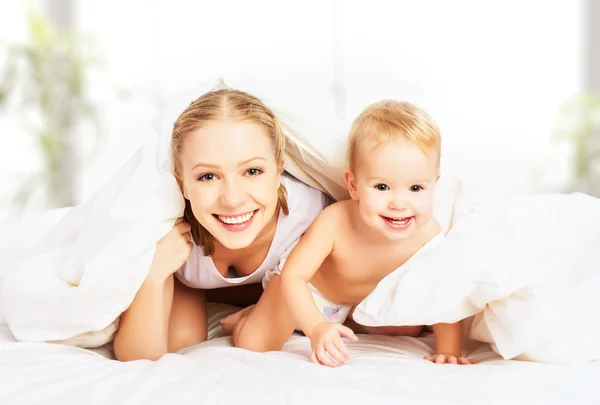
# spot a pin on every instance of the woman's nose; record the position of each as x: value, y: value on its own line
x: 232, y: 194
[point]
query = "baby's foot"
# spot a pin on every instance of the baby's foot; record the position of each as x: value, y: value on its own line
x: 228, y: 323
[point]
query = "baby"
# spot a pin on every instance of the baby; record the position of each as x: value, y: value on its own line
x: 394, y: 158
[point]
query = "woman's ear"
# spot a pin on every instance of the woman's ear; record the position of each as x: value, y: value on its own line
x: 182, y: 186
x: 351, y: 184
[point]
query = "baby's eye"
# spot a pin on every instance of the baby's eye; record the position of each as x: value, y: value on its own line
x: 382, y: 187
x: 254, y: 172
x: 206, y: 177
x: 416, y: 188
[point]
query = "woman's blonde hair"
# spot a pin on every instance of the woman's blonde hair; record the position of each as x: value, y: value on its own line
x: 388, y: 120
x: 224, y: 104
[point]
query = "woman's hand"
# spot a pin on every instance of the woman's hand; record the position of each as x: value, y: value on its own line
x: 328, y: 347
x: 172, y: 251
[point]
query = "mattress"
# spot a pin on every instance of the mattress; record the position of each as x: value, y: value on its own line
x: 383, y: 369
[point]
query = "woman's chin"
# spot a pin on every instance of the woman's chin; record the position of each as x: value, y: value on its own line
x: 234, y: 240
x: 236, y: 243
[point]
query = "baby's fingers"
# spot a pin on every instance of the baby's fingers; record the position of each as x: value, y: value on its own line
x: 333, y: 351
x: 313, y: 357
x: 441, y: 359
x: 346, y: 332
x: 339, y: 344
x: 323, y: 357
x: 463, y: 360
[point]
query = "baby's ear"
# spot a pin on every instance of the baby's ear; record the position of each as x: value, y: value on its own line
x: 351, y: 184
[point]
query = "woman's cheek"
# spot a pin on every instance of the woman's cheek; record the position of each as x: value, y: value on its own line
x: 202, y: 197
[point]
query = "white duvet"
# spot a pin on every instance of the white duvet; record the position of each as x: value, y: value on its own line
x: 527, y: 269
x: 529, y: 276
x: 70, y: 282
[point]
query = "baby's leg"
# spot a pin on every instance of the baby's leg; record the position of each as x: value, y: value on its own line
x: 268, y: 325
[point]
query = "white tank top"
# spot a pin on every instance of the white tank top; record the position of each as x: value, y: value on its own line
x: 304, y: 203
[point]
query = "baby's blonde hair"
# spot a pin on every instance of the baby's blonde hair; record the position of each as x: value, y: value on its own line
x: 389, y: 120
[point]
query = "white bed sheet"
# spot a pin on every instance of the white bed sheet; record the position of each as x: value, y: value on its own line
x: 387, y: 370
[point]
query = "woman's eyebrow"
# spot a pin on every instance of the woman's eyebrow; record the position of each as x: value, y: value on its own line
x: 245, y: 162
x: 210, y: 165
x: 215, y: 166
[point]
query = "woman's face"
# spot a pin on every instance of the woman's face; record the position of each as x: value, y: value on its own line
x: 230, y: 176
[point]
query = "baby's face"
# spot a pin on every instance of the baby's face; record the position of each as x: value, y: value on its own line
x: 395, y: 184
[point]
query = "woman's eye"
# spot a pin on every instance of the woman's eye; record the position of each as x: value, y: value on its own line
x: 416, y: 189
x: 382, y: 187
x: 253, y: 172
x: 207, y: 177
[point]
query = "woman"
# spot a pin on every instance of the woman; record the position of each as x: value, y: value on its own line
x: 242, y: 213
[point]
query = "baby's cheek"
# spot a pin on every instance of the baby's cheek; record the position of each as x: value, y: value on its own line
x: 373, y: 206
x: 426, y: 208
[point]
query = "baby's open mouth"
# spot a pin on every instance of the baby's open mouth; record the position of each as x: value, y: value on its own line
x: 402, y: 221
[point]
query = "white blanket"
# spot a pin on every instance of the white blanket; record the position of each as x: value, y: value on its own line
x: 72, y: 282
x: 528, y: 268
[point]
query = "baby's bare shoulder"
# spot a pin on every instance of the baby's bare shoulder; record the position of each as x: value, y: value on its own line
x: 337, y: 212
x: 331, y: 223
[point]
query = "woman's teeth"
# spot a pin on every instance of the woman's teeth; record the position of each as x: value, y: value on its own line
x: 240, y: 219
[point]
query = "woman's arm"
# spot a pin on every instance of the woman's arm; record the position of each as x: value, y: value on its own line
x: 143, y: 332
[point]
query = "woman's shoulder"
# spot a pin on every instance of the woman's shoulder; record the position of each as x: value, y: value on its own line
x: 304, y: 203
x: 303, y: 199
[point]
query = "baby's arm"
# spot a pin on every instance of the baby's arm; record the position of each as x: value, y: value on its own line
x: 302, y: 264
x: 448, y: 344
x: 448, y: 339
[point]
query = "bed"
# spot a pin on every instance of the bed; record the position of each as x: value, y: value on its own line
x: 383, y: 370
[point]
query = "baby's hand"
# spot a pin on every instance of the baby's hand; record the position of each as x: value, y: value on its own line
x: 327, y: 344
x: 440, y: 358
